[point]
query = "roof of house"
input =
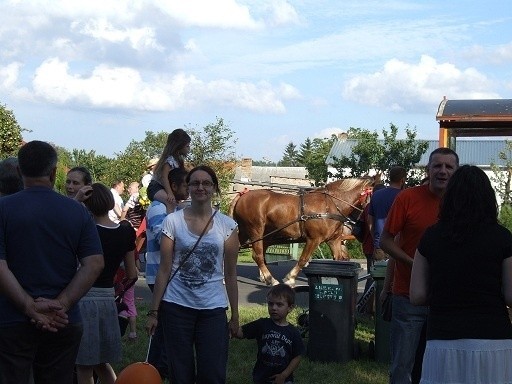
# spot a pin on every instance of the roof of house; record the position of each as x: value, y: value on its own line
x: 475, y: 152
x: 264, y: 173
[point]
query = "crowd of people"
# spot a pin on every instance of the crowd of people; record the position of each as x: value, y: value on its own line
x: 63, y: 256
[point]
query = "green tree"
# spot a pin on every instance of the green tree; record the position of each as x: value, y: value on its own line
x: 10, y: 133
x: 305, y: 152
x: 98, y: 165
x: 290, y: 156
x: 130, y: 164
x: 64, y: 159
x: 264, y: 163
x: 213, y: 145
x: 315, y: 160
x: 502, y: 175
x: 370, y: 153
x: 502, y: 178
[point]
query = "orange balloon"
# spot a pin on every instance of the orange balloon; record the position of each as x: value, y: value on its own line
x: 139, y: 373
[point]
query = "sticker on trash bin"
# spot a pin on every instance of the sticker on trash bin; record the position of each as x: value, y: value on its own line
x: 328, y: 292
x: 328, y: 280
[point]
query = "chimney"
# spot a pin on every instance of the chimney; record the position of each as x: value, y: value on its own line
x: 246, y: 169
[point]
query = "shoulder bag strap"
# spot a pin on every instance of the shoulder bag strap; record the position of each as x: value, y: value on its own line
x: 193, y: 248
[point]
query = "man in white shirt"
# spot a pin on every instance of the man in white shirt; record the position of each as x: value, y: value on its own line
x: 117, y: 189
x: 146, y: 179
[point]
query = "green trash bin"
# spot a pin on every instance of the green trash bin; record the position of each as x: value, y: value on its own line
x: 332, y: 302
x: 382, y: 348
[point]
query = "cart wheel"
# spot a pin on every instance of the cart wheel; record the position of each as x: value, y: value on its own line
x: 371, y: 350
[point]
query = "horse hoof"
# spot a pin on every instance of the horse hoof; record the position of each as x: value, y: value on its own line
x: 289, y: 282
x: 269, y: 282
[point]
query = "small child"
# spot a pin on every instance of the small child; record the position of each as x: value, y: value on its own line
x: 280, y: 345
x: 177, y: 147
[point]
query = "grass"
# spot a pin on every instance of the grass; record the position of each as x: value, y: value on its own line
x: 354, y: 250
x: 242, y: 354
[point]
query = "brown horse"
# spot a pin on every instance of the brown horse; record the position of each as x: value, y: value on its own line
x: 266, y: 217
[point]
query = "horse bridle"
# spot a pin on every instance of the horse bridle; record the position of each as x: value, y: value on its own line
x: 344, y: 219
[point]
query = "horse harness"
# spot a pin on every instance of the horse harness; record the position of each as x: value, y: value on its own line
x: 363, y: 197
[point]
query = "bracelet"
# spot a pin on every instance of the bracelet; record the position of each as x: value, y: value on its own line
x: 152, y: 313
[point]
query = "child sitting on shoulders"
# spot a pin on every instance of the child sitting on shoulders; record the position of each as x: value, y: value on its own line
x: 280, y: 345
x: 173, y: 156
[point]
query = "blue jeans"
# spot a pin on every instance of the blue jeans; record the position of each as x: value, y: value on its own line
x: 157, y: 355
x: 203, y: 331
x: 407, y: 322
x: 50, y: 356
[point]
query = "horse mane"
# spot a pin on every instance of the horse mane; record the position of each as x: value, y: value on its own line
x: 349, y: 184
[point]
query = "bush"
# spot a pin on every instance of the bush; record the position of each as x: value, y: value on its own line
x: 354, y: 251
x: 505, y: 216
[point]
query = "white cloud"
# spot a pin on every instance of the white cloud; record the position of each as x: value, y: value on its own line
x: 102, y: 29
x: 207, y: 13
x: 282, y: 13
x: 118, y: 9
x: 496, y: 54
x: 9, y: 75
x: 328, y: 132
x: 121, y: 87
x: 401, y: 86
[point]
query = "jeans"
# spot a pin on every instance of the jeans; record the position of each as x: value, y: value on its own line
x: 50, y: 356
x: 203, y: 331
x: 407, y: 322
x: 157, y: 355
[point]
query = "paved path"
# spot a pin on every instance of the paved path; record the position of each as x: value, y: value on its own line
x: 250, y: 290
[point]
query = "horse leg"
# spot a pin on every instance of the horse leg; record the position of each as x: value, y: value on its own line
x: 310, y: 246
x: 258, y: 255
x: 338, y: 249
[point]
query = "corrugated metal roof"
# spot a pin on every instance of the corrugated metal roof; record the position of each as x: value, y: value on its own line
x: 474, y: 152
x: 264, y: 174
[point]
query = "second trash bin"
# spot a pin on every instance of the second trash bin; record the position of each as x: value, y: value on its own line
x: 332, y: 302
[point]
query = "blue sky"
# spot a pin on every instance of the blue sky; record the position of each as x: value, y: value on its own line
x: 98, y: 74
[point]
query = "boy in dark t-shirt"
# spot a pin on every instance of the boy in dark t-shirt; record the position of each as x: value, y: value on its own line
x: 280, y: 345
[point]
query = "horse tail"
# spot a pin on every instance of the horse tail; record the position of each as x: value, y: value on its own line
x: 232, y: 205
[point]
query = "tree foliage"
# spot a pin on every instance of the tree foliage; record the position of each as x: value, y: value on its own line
x: 315, y: 153
x: 371, y: 154
x: 502, y: 178
x: 290, y: 156
x: 502, y: 175
x: 305, y: 152
x: 10, y: 133
x: 213, y: 145
x: 130, y: 164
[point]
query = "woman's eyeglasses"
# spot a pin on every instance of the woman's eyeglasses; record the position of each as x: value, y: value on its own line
x: 197, y: 183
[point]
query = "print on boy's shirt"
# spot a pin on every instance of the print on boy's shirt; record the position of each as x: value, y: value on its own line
x: 274, y: 346
x: 199, y: 266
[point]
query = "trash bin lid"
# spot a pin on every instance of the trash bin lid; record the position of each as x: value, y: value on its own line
x: 325, y: 267
x: 379, y: 269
